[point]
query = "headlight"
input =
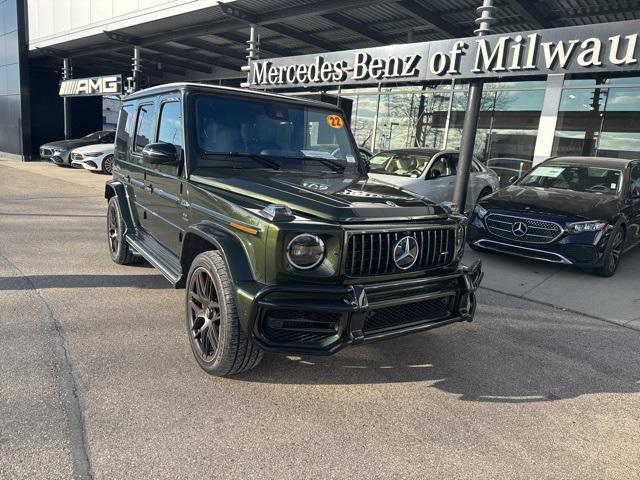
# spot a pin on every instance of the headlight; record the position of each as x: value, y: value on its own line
x: 481, y: 211
x: 305, y: 251
x: 581, y: 227
x: 93, y: 154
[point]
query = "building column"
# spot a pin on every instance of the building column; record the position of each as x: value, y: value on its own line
x: 548, y: 118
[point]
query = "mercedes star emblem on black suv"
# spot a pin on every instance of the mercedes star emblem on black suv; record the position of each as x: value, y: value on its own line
x: 519, y: 229
x: 405, y: 252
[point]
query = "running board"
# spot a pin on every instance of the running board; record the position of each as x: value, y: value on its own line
x: 157, y: 255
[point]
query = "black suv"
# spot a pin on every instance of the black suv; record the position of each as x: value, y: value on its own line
x: 260, y: 206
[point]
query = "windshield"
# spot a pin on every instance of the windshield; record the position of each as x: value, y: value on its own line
x: 238, y: 133
x: 405, y: 164
x: 93, y: 136
x: 576, y: 178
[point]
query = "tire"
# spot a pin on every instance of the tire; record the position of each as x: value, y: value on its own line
x: 107, y: 165
x: 217, y: 340
x: 612, y: 254
x: 118, y: 248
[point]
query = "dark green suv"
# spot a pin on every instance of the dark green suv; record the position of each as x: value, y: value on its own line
x: 260, y: 206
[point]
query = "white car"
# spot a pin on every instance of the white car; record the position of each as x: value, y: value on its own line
x: 431, y: 173
x: 97, y: 158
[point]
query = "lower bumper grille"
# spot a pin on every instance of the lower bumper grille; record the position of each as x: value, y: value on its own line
x: 46, y: 152
x: 401, y: 315
x: 300, y: 327
x: 521, y: 229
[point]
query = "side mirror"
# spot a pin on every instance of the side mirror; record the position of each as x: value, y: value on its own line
x: 513, y: 179
x: 434, y: 173
x: 160, y: 154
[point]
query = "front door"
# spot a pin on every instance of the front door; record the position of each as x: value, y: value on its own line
x: 165, y: 183
x: 633, y: 229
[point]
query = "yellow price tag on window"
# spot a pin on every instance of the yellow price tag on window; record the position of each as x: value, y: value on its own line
x: 334, y: 121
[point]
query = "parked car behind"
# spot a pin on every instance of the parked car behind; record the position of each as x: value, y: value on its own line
x: 97, y: 158
x: 60, y: 152
x: 507, y: 168
x: 431, y: 173
x: 570, y: 210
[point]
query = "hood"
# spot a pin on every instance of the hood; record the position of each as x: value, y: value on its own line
x: 568, y: 204
x: 332, y: 198
x: 68, y: 144
x: 95, y: 147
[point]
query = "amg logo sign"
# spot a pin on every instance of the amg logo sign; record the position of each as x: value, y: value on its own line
x: 83, y: 87
x: 603, y: 48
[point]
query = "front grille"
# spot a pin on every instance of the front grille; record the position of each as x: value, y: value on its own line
x: 76, y: 156
x: 401, y: 315
x: 537, y: 231
x: 372, y: 253
x: 299, y: 327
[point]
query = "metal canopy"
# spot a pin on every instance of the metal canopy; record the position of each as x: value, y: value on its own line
x: 210, y: 44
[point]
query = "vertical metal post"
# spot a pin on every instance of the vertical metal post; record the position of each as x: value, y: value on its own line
x: 253, y: 53
x: 67, y: 74
x: 137, y: 69
x: 472, y: 113
x: 447, y: 122
x: 375, y: 121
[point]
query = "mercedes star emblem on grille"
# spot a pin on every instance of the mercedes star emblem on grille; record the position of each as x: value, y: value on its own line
x: 405, y: 252
x: 519, y: 229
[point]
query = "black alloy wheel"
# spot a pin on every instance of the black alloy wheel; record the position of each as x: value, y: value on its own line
x: 204, y: 314
x: 218, y: 342
x: 612, y: 254
x: 118, y: 248
x: 107, y: 164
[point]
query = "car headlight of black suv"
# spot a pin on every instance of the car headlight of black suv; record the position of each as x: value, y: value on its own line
x: 584, y: 227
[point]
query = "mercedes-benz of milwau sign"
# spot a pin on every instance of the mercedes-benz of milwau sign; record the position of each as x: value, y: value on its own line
x: 82, y: 87
x: 605, y: 47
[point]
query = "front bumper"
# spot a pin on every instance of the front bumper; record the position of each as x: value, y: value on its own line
x: 323, y: 319
x: 585, y: 250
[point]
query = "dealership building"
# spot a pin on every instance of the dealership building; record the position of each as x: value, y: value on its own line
x: 559, y: 76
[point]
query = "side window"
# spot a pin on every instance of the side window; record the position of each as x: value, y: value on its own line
x: 123, y: 132
x: 144, y: 127
x: 170, y: 131
x: 445, y: 164
x: 170, y: 125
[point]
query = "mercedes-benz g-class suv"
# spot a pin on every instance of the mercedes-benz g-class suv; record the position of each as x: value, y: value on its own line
x: 260, y: 206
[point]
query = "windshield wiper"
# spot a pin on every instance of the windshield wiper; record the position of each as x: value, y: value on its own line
x: 335, y: 166
x: 253, y: 156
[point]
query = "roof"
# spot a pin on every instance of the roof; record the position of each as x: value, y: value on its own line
x: 210, y: 43
x: 607, y: 162
x: 173, y: 87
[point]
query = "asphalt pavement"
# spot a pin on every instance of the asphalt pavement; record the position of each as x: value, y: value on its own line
x: 97, y: 379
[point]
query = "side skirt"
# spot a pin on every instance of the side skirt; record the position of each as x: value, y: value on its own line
x: 157, y: 255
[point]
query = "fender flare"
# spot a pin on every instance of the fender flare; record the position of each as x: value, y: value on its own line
x: 229, y: 247
x: 115, y: 188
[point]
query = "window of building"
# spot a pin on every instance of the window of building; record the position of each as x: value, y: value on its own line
x: 599, y: 122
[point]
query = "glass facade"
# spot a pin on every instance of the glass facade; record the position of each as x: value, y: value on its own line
x: 433, y: 116
x: 595, y: 117
x: 599, y: 118
x: 11, y: 99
